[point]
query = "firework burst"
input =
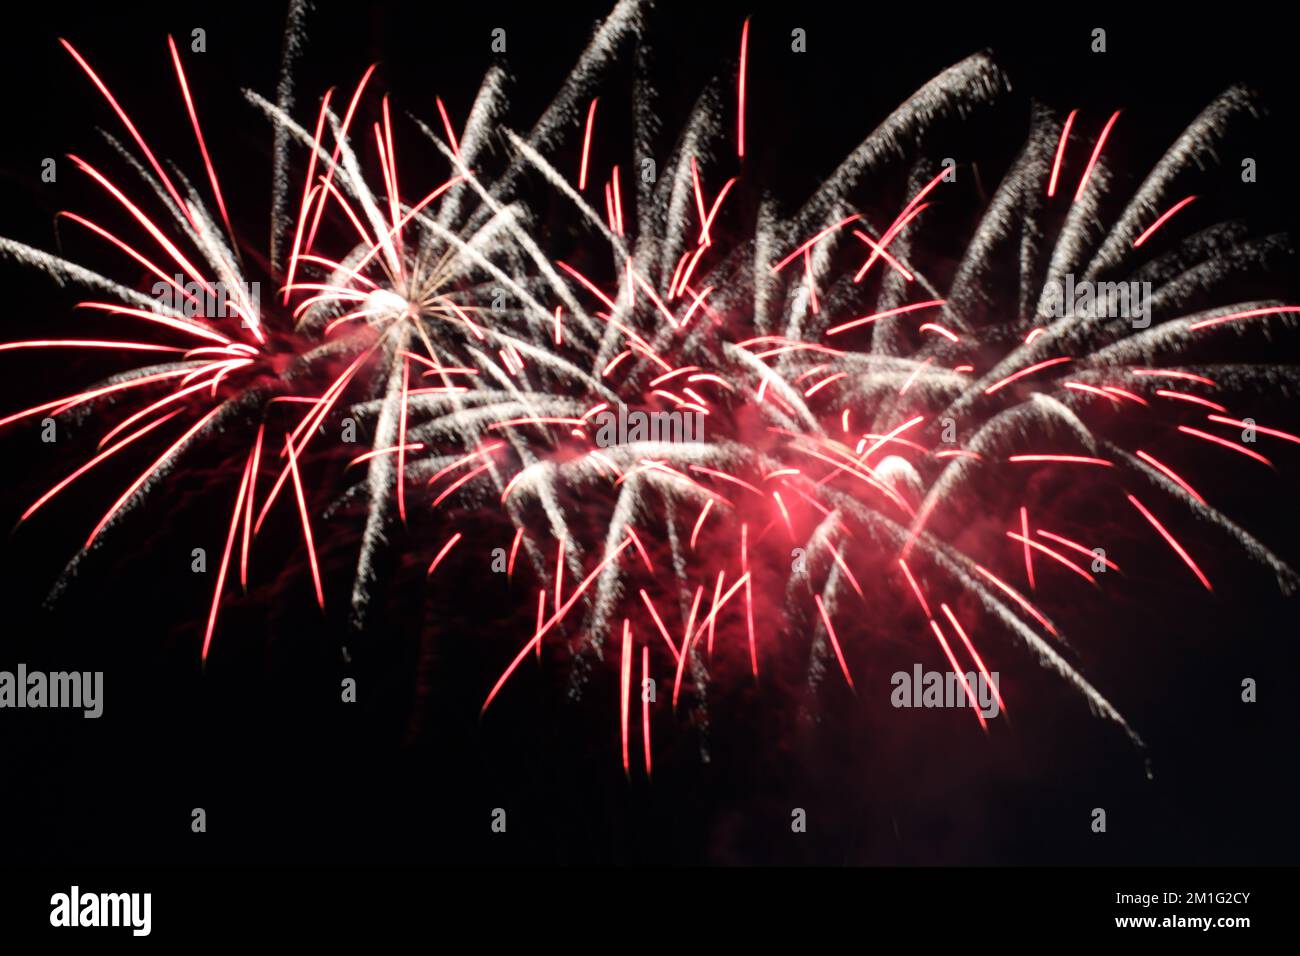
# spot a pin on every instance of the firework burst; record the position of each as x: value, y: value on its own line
x: 858, y: 413
x: 865, y: 410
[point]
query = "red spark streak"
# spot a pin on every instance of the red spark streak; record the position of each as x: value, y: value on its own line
x: 1018, y: 598
x: 391, y: 450
x: 885, y: 254
x: 835, y: 643
x: 1060, y: 152
x: 813, y: 241
x: 979, y: 662
x: 446, y: 124
x: 1113, y: 390
x: 699, y: 200
x: 961, y: 675
x: 847, y: 573
x: 1225, y: 444
x: 541, y: 616
x: 1237, y: 423
x: 713, y: 212
x: 442, y: 553
x: 645, y: 709
x: 514, y: 552
x: 586, y: 144
x: 401, y: 441
x: 306, y: 523
x: 198, y: 134
x: 810, y: 392
x: 463, y: 479
x: 810, y: 283
x: 893, y: 435
x: 901, y: 310
x: 1248, y: 314
x: 1026, y: 371
x: 1071, y: 459
x: 248, y: 509
x: 640, y: 548
x: 1029, y: 559
x: 890, y: 234
x: 591, y: 286
x: 740, y: 90
x: 86, y: 344
x: 940, y: 330
x: 1193, y: 399
x: 1096, y: 154
x: 1082, y: 549
x: 920, y: 597
x: 1056, y: 556
x: 1137, y: 243
x: 1170, y: 474
x: 486, y: 450
x: 1169, y: 538
x: 654, y: 613
x: 686, y: 644
x: 717, y: 593
x: 225, y: 561
x: 749, y: 625
x: 699, y: 522
x: 1174, y: 373
x: 726, y: 477
x: 625, y: 688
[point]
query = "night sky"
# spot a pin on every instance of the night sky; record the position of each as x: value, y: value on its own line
x: 409, y: 773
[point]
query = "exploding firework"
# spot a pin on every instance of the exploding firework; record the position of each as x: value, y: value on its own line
x: 856, y: 412
x: 715, y: 431
x: 225, y: 358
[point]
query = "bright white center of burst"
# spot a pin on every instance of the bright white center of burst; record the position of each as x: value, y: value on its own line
x: 383, y: 304
x: 897, y: 472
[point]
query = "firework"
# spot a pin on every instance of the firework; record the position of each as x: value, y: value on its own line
x: 855, y: 409
x: 207, y: 314
x: 863, y: 410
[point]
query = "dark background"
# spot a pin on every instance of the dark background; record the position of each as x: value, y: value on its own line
x: 409, y: 774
